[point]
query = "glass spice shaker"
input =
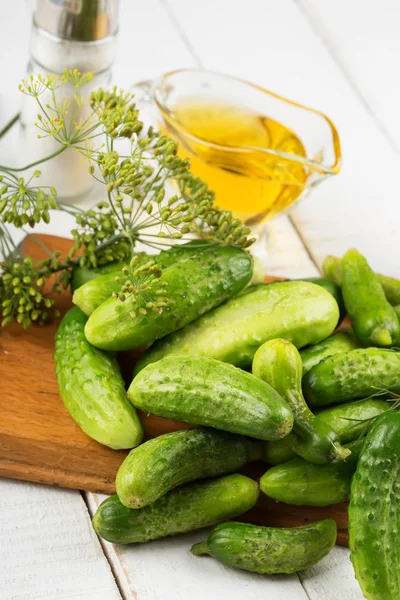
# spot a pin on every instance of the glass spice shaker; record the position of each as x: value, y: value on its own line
x: 67, y: 34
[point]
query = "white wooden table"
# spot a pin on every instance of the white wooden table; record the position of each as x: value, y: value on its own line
x: 341, y: 57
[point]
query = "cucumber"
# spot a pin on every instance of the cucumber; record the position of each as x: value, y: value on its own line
x: 391, y: 286
x: 269, y: 550
x: 99, y: 287
x: 350, y: 375
x: 374, y: 511
x: 81, y: 275
x: 172, y: 459
x: 302, y: 312
x: 205, y: 391
x: 373, y: 318
x: 278, y: 452
x: 350, y: 421
x: 334, y: 289
x: 302, y: 483
x: 341, y: 341
x: 91, y: 387
x: 278, y: 363
x: 189, y: 507
x: 196, y: 284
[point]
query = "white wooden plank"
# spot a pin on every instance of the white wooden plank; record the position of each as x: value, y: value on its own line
x: 48, y: 549
x: 274, y: 45
x: 363, y: 37
x: 166, y: 570
x: 332, y: 578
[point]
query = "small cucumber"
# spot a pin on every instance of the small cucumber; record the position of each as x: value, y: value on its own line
x: 81, y: 275
x: 269, y: 550
x: 350, y: 375
x: 172, y: 459
x: 187, y: 508
x: 374, y: 511
x: 196, y: 284
x: 302, y: 312
x: 373, y: 318
x: 302, y: 483
x: 205, y: 391
x: 92, y: 388
x: 341, y: 341
x: 332, y: 268
x: 350, y: 421
x: 100, y: 283
x: 278, y: 363
x: 334, y: 289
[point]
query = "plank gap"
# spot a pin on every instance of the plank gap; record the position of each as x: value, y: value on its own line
x: 318, y: 28
x: 303, y: 241
x: 103, y: 547
x: 181, y: 32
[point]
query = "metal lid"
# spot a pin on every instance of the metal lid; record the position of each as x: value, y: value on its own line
x: 79, y: 20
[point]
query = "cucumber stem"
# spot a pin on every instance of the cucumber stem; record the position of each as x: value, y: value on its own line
x: 340, y: 452
x: 200, y: 549
x: 381, y: 336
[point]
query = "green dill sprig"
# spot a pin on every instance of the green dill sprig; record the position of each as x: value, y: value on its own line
x: 22, y: 203
x: 21, y: 293
x: 141, y: 286
x: 135, y: 206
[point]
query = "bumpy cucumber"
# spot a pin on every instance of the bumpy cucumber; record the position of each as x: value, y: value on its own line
x: 302, y: 312
x: 92, y: 388
x: 278, y: 363
x: 81, y: 275
x: 341, y: 341
x: 334, y: 289
x: 332, y: 268
x: 269, y: 550
x: 305, y: 484
x: 350, y: 421
x: 196, y: 284
x: 373, y: 318
x: 99, y: 287
x: 187, y: 508
x: 172, y: 459
x: 205, y: 391
x: 374, y: 511
x: 350, y: 375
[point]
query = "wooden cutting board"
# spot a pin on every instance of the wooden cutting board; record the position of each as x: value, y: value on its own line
x: 40, y: 442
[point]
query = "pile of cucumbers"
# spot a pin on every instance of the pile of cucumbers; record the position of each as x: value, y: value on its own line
x: 260, y: 373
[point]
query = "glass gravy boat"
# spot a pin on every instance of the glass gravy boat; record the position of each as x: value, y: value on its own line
x: 259, y: 152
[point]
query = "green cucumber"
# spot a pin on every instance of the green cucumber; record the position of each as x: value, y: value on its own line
x: 172, y: 459
x: 99, y: 287
x: 91, y: 387
x: 350, y: 421
x: 196, y: 284
x: 374, y: 511
x: 341, y: 341
x: 205, y: 391
x: 358, y: 373
x: 269, y: 550
x: 187, y: 508
x: 373, y: 318
x: 302, y: 312
x: 278, y: 363
x: 302, y: 483
x: 332, y: 268
x: 334, y: 289
x: 81, y: 275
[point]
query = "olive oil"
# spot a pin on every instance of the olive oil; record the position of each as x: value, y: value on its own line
x: 237, y: 152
